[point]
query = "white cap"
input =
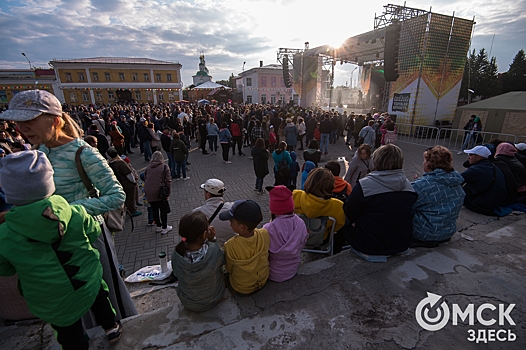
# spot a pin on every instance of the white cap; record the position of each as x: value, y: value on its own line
x: 482, y: 151
x: 214, y: 186
x: 521, y: 146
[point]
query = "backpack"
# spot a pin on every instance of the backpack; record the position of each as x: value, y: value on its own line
x: 316, y: 229
x: 272, y: 137
x: 283, y: 173
x: 390, y: 137
x: 341, y: 195
x: 234, y: 128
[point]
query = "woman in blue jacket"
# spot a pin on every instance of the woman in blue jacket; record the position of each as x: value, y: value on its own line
x: 440, y: 198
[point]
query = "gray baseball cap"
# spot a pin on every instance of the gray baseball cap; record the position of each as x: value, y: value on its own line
x: 28, y: 105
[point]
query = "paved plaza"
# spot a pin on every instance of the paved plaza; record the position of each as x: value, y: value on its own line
x: 142, y: 246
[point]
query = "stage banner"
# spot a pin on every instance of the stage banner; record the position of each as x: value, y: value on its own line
x: 434, y: 82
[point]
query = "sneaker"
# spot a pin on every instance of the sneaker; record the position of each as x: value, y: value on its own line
x: 461, y: 152
x: 177, y: 178
x: 151, y: 223
x: 114, y: 334
x: 250, y: 157
x: 206, y: 152
x: 188, y: 163
x: 186, y: 178
x: 256, y: 189
x: 261, y: 192
x: 137, y: 213
x: 158, y: 229
x: 166, y: 230
x: 139, y: 204
x: 242, y: 154
x: 228, y: 162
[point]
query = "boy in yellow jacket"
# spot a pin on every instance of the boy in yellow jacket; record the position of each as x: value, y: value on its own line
x: 247, y: 253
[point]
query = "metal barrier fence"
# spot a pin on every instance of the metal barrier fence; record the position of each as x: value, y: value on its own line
x: 453, y: 139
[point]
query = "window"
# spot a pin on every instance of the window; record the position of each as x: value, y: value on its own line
x: 138, y: 96
x: 149, y: 96
x: 249, y: 99
x: 264, y: 81
x: 168, y: 77
x: 282, y: 82
x: 263, y: 98
x: 68, y: 77
x: 171, y: 96
x: 134, y: 77
x: 121, y: 76
x: 107, y: 76
x: 111, y: 97
x: 81, y: 76
x: 273, y: 99
x: 85, y: 97
x: 3, y: 96
x: 95, y: 76
x: 160, y: 96
x: 249, y: 81
x: 158, y: 77
x: 73, y: 96
x: 273, y: 81
x: 98, y: 96
x: 146, y: 77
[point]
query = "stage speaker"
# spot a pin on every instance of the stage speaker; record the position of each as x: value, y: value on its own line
x: 392, y: 43
x: 286, y: 75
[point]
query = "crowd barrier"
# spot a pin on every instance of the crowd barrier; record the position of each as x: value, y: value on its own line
x: 451, y: 138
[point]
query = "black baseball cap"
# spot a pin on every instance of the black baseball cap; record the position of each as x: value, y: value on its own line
x: 243, y: 210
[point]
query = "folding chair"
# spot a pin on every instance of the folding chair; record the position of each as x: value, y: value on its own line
x: 316, y: 229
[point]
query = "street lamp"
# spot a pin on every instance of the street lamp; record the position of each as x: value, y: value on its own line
x: 469, y: 95
x: 31, y: 68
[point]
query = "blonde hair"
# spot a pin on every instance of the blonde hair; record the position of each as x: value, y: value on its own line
x: 320, y: 183
x: 157, y: 156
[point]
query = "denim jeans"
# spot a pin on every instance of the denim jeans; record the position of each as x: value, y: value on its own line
x: 212, y: 142
x: 171, y: 163
x: 180, y: 165
x: 334, y: 136
x: 259, y: 183
x: 324, y: 141
x: 147, y: 148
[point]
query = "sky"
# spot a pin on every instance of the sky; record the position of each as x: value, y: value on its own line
x: 228, y: 32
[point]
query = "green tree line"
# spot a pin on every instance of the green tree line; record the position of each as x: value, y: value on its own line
x: 481, y: 75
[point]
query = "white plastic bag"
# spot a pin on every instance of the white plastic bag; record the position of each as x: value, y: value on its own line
x: 149, y: 273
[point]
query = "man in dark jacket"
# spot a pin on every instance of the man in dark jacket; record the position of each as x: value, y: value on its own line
x: 127, y: 133
x: 203, y: 134
x: 310, y: 127
x: 145, y: 139
x: 484, y: 183
x: 102, y: 141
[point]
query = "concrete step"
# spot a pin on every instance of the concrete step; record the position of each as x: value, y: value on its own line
x: 346, y: 302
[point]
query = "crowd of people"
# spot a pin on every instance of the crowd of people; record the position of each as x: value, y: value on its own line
x: 376, y: 211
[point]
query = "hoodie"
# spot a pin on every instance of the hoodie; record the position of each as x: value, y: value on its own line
x: 201, y: 284
x: 59, y: 272
x: 305, y: 174
x: 440, y: 198
x: 294, y: 167
x: 247, y: 261
x: 288, y: 236
x: 340, y: 185
x: 313, y: 207
x: 381, y: 208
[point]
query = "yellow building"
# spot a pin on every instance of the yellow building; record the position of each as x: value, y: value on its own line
x: 13, y: 81
x: 111, y: 79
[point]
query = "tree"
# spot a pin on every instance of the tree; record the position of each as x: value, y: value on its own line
x: 515, y: 77
x: 480, y: 75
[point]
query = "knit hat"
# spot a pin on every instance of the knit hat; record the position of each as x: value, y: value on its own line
x: 29, y: 104
x: 506, y: 149
x: 280, y: 201
x: 26, y: 177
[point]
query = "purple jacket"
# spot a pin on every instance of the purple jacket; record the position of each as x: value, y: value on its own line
x: 288, y: 236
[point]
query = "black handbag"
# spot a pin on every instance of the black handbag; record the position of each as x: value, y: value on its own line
x: 164, y: 192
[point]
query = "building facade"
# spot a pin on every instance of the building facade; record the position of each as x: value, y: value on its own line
x: 13, y: 81
x: 264, y: 84
x: 111, y: 79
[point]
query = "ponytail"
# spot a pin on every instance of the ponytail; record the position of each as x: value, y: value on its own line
x: 70, y: 127
x: 191, y: 228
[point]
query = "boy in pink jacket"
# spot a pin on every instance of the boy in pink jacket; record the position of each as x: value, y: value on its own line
x: 288, y: 235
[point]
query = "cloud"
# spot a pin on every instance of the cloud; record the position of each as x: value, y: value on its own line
x: 229, y: 32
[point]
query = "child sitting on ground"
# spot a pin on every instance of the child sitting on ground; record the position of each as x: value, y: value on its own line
x: 288, y: 235
x: 59, y: 272
x: 294, y: 169
x: 342, y: 189
x: 246, y: 255
x: 197, y: 262
x: 305, y: 174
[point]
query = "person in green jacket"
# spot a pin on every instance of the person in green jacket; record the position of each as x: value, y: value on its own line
x: 48, y: 242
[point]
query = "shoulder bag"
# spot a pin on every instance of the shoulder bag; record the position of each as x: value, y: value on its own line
x: 164, y: 193
x: 114, y: 219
